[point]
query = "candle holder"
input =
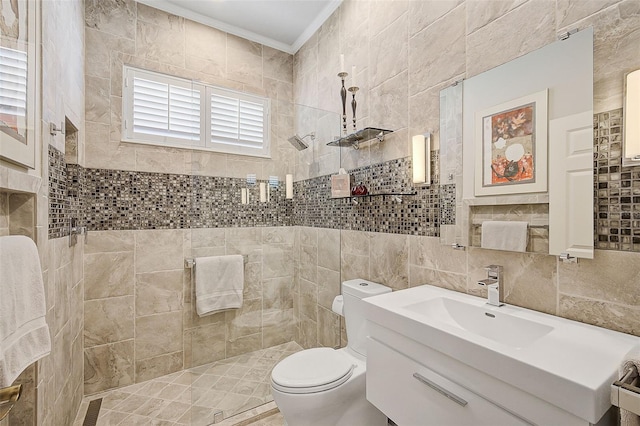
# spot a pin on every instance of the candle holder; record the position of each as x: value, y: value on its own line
x: 343, y: 96
x: 354, y: 104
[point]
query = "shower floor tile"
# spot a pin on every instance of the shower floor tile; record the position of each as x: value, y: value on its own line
x: 194, y: 396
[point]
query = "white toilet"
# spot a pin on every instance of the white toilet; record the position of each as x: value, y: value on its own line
x: 324, y: 386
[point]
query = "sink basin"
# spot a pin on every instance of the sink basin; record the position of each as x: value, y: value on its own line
x: 565, y: 363
x: 494, y: 325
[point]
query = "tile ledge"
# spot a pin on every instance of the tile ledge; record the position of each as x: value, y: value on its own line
x: 16, y: 181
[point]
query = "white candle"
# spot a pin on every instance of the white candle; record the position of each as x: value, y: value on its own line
x: 263, y: 192
x: 342, y: 62
x: 289, y: 186
x: 353, y: 76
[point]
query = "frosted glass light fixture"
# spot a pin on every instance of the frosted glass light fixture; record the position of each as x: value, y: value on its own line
x: 631, y: 121
x: 421, y: 158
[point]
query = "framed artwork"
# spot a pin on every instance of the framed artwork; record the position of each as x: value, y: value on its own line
x: 511, y: 146
x: 18, y: 45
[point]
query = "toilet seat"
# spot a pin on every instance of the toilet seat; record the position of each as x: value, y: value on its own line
x: 312, y: 370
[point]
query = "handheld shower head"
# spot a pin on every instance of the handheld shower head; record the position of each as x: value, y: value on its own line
x: 298, y: 141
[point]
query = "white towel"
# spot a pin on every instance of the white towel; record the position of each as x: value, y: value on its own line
x: 24, y: 334
x: 219, y: 283
x: 501, y: 235
x: 632, y: 358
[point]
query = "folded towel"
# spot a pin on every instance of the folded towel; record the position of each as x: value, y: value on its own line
x: 219, y: 283
x: 500, y: 235
x: 24, y: 334
x: 632, y: 358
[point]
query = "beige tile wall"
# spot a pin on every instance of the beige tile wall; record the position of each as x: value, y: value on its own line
x: 604, y: 291
x: 317, y: 260
x: 127, y: 33
x: 53, y: 387
x: 140, y: 319
x: 405, y: 53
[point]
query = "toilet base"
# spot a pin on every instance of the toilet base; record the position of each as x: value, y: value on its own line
x: 345, y: 405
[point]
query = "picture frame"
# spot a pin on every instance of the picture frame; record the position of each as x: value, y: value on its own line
x: 18, y: 69
x: 511, y: 146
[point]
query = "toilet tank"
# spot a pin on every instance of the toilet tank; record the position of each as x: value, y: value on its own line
x: 353, y: 292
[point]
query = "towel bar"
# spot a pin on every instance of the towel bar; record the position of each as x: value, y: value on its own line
x: 625, y: 393
x: 479, y: 225
x: 190, y: 262
x: 8, y: 398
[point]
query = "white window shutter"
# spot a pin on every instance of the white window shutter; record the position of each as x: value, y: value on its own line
x: 13, y: 82
x: 237, y: 122
x: 166, y: 110
x: 171, y: 111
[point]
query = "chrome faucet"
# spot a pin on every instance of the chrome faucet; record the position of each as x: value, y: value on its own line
x: 494, y: 284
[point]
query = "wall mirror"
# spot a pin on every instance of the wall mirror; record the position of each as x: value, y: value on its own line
x: 18, y: 55
x: 529, y: 123
x: 631, y: 138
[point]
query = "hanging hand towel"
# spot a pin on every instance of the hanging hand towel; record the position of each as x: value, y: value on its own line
x: 500, y: 235
x: 628, y: 418
x: 24, y: 333
x: 219, y: 283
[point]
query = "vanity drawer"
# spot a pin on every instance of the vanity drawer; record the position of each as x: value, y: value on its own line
x: 411, y: 394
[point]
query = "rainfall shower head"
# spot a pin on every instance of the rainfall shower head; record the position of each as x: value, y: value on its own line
x: 298, y: 141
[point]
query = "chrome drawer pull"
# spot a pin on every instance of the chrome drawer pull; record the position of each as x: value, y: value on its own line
x: 440, y: 389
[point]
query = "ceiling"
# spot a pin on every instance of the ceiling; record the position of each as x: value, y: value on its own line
x: 282, y: 24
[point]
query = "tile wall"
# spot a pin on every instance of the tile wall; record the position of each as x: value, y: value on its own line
x: 617, y: 188
x: 140, y: 319
x: 53, y: 387
x: 317, y: 271
x: 120, y: 32
x: 405, y: 53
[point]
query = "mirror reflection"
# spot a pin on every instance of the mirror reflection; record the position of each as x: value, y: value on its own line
x: 632, y: 119
x: 563, y: 117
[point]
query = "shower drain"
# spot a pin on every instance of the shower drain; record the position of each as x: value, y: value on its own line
x: 93, y: 411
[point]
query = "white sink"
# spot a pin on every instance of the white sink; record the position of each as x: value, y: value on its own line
x: 568, y: 364
x: 500, y: 327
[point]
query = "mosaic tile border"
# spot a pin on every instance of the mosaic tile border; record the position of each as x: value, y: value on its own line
x: 448, y: 204
x: 416, y: 214
x: 125, y: 200
x: 616, y: 188
x: 59, y: 205
x: 112, y: 199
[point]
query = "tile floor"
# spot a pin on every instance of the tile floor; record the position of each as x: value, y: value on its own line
x: 193, y: 397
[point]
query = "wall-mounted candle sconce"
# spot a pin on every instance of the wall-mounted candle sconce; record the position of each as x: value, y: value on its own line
x: 421, y: 158
x: 631, y: 120
x: 289, y: 187
x: 263, y: 192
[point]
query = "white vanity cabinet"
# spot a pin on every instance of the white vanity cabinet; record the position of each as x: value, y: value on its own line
x: 392, y: 362
x: 411, y: 394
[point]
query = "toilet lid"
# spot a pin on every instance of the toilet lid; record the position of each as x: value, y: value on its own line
x: 311, y: 370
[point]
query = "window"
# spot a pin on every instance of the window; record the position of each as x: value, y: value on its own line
x: 171, y: 111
